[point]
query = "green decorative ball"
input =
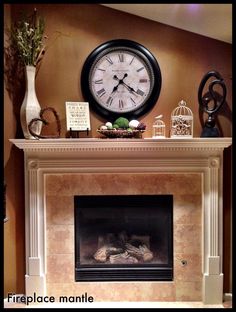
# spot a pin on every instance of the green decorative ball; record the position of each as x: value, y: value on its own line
x: 115, y: 126
x: 122, y: 122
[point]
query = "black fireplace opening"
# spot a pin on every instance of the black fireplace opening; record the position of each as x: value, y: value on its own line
x: 123, y: 237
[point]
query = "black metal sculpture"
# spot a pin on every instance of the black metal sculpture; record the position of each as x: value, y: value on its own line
x: 205, y: 102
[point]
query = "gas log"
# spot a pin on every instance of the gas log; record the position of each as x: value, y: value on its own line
x: 121, y: 249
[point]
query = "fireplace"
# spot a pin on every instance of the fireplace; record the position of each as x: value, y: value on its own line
x: 191, y: 170
x: 124, y: 237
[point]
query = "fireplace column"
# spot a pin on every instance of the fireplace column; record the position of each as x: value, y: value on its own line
x: 35, y: 278
x: 213, y: 276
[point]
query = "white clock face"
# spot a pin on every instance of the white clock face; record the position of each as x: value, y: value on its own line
x: 121, y: 80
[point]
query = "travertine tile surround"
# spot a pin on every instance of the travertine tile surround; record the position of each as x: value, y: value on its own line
x: 187, y: 191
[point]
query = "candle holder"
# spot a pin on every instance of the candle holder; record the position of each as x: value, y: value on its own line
x: 158, y: 128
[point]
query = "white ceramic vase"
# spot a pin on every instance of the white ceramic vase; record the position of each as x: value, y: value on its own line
x: 30, y: 107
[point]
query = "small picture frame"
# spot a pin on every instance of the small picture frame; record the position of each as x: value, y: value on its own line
x: 77, y: 116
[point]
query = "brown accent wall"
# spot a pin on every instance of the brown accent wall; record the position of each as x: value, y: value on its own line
x: 74, y: 30
x: 14, y: 261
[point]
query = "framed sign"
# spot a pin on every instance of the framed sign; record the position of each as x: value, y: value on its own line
x: 77, y: 116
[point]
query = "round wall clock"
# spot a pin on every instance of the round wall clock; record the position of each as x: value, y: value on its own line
x: 121, y: 78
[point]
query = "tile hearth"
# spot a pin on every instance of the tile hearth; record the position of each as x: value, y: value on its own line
x: 190, y: 169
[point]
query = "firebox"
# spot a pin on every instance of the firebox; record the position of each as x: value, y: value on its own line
x: 124, y: 238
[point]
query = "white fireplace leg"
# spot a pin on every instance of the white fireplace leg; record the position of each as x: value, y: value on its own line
x: 213, y: 282
x: 213, y: 276
x: 34, y: 281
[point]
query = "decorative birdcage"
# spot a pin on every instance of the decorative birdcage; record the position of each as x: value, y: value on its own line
x: 158, y: 128
x: 181, y: 121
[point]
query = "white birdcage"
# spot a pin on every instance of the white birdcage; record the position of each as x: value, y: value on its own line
x: 158, y: 128
x: 181, y: 122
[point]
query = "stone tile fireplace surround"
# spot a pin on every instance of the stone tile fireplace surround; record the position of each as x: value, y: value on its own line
x: 190, y: 169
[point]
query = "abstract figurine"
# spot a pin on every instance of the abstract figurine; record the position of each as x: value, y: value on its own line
x: 206, y: 104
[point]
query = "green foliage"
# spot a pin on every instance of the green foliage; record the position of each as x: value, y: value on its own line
x: 27, y: 37
x: 122, y: 122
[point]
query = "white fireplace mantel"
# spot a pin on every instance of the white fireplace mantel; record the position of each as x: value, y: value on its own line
x: 202, y: 155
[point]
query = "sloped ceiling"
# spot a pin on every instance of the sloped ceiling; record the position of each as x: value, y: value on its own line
x: 211, y: 20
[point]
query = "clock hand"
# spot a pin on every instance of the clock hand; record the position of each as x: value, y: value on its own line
x: 115, y: 88
x: 123, y: 83
x: 120, y: 82
x: 128, y: 87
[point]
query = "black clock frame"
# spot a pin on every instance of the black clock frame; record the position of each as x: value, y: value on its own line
x: 142, y: 52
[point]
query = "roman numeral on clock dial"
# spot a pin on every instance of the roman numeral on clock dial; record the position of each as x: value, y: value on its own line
x: 140, y: 92
x: 109, y: 100
x: 121, y: 104
x: 99, y: 81
x: 109, y: 60
x: 133, y: 101
x: 131, y: 61
x: 141, y: 68
x: 143, y: 80
x: 101, y: 92
x: 121, y: 57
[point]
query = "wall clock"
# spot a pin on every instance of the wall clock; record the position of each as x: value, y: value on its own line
x: 121, y: 78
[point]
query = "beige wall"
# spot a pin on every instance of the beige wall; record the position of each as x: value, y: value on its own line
x: 74, y: 31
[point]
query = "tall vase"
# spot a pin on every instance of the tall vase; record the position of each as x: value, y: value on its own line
x: 30, y: 107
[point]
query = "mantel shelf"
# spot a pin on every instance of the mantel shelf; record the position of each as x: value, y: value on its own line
x: 99, y: 145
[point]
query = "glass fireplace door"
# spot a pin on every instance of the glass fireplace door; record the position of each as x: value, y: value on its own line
x: 124, y: 237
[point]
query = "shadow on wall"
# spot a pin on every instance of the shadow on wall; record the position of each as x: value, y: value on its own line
x: 14, y: 244
x: 227, y: 221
